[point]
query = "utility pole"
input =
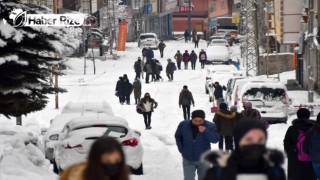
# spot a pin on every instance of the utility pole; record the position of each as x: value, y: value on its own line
x: 114, y: 25
x: 189, y: 17
x: 310, y: 49
x: 55, y: 70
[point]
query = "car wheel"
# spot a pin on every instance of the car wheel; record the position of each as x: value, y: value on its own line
x: 207, y: 91
x: 138, y: 171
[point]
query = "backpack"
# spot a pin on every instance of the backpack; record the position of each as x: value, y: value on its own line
x: 138, y: 109
x: 174, y: 67
x: 302, y: 155
x: 203, y: 57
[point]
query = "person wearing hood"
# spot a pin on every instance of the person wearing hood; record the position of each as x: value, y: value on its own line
x: 250, y: 160
x: 314, y: 146
x: 127, y: 89
x: 193, y: 59
x: 178, y: 57
x: 225, y: 122
x: 137, y: 68
x: 298, y: 169
x: 185, y: 100
x: 147, y: 105
x: 202, y: 58
x: 186, y: 59
x: 193, y: 138
x: 120, y: 90
x: 106, y: 160
x: 171, y: 67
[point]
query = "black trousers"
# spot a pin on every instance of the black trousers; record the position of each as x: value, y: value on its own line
x: 147, y: 118
x: 158, y: 77
x: 228, y: 142
x: 161, y: 53
x: 179, y: 65
x: 193, y: 65
x: 186, y: 112
x: 203, y: 64
x: 170, y: 76
x: 122, y: 98
x: 127, y: 97
x: 196, y: 44
x: 138, y: 75
x: 147, y: 77
x: 186, y: 65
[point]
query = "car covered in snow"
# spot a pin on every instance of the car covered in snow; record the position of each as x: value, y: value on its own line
x: 219, y: 73
x: 79, y: 134
x: 217, y: 54
x: 220, y: 42
x: 148, y: 40
x: 70, y: 111
x: 269, y: 98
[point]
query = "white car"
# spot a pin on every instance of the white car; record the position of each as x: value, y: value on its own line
x: 269, y: 98
x: 217, y: 54
x: 219, y: 73
x: 148, y: 40
x: 220, y: 42
x: 79, y: 134
x: 70, y: 111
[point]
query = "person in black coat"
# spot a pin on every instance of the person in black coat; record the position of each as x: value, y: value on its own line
x: 161, y: 47
x: 218, y: 93
x: 202, y: 58
x: 250, y: 160
x: 149, y: 54
x: 186, y: 35
x: 144, y: 53
x: 298, y: 170
x: 137, y: 68
x: 120, y: 90
x: 154, y: 69
x: 127, y: 90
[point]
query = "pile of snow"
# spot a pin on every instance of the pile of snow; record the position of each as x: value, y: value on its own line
x: 19, y: 157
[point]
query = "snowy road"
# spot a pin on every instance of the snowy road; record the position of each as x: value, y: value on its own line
x: 161, y: 157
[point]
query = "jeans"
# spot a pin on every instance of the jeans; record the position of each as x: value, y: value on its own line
x: 196, y: 44
x: 186, y: 112
x: 186, y: 65
x: 316, y: 168
x: 193, y: 65
x: 228, y: 142
x: 170, y: 76
x: 190, y: 167
x: 161, y: 53
x: 147, y: 118
x: 179, y: 64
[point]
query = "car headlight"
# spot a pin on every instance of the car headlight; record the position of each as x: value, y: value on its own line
x: 54, y: 137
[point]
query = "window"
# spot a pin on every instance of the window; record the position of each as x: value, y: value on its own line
x: 223, y: 4
x: 213, y: 7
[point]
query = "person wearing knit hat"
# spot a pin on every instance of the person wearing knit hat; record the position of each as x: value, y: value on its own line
x: 298, y: 169
x: 185, y: 101
x: 249, y: 113
x: 250, y: 160
x: 225, y: 121
x: 193, y: 138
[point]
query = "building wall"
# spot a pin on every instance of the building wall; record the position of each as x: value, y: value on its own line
x: 218, y: 8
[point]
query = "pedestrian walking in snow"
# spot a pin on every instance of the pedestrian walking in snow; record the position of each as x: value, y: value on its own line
x: 251, y: 160
x: 161, y: 47
x: 106, y: 160
x: 193, y: 59
x: 147, y: 105
x: 195, y: 38
x: 147, y: 68
x: 120, y: 90
x: 225, y: 121
x: 127, y: 90
x: 149, y: 54
x: 154, y: 69
x: 203, y: 58
x: 158, y: 70
x: 314, y: 146
x: 144, y: 53
x: 137, y: 90
x: 235, y: 110
x: 218, y: 93
x: 185, y: 100
x: 137, y: 68
x: 171, y: 67
x: 186, y: 35
x: 299, y: 166
x: 178, y: 58
x: 142, y: 66
x: 186, y: 59
x: 193, y: 138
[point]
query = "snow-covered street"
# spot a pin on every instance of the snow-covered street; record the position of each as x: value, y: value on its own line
x: 162, y: 159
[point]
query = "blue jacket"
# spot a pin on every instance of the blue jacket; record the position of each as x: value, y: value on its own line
x: 315, y: 147
x: 193, y: 149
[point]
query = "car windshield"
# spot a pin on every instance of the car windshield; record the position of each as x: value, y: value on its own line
x: 112, y: 131
x: 265, y: 94
x: 146, y: 36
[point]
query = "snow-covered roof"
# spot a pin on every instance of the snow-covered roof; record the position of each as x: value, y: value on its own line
x: 79, y: 107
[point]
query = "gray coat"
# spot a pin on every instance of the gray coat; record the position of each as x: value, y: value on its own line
x: 186, y: 98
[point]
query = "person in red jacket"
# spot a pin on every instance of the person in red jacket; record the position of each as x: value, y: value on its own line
x: 186, y: 59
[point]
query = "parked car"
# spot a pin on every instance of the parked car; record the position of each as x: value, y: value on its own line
x: 216, y: 36
x: 269, y: 98
x: 78, y: 135
x: 220, y: 73
x: 230, y: 85
x: 70, y: 111
x: 229, y: 38
x: 217, y: 54
x: 148, y: 40
x: 220, y: 42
